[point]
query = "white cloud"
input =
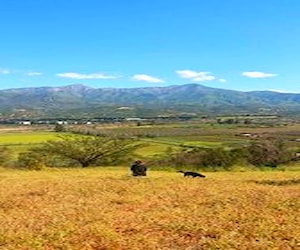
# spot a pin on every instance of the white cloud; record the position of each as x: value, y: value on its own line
x: 34, y: 73
x: 73, y: 75
x: 222, y: 80
x: 284, y: 91
x: 256, y: 74
x: 196, y: 76
x: 147, y: 78
x: 4, y: 71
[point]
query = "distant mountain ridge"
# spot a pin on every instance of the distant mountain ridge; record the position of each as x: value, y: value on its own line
x: 82, y: 101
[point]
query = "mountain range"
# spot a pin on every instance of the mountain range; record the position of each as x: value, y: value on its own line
x: 79, y: 101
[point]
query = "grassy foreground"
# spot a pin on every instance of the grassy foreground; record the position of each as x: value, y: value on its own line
x: 108, y: 209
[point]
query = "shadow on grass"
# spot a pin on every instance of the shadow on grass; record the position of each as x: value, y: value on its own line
x: 279, y: 183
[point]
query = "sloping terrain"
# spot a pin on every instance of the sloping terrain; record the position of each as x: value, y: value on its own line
x: 196, y: 99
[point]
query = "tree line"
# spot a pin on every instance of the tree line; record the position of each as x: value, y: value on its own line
x: 259, y: 153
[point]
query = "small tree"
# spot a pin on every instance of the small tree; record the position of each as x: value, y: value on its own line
x: 59, y: 128
x: 90, y: 150
x: 269, y: 153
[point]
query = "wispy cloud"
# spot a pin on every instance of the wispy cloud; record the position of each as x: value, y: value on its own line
x: 257, y: 74
x: 79, y: 76
x: 34, y: 73
x: 196, y: 76
x: 284, y: 91
x: 4, y: 71
x: 147, y: 78
x: 222, y: 80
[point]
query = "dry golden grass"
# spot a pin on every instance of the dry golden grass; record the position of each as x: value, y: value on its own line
x: 81, y: 209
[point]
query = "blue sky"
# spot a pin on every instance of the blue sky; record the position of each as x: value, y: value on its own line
x: 234, y: 44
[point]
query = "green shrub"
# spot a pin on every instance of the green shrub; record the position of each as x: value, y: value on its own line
x: 268, y: 152
x: 198, y: 158
x: 32, y: 160
x: 5, y: 154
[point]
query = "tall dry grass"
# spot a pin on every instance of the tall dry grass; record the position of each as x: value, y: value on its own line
x: 108, y: 209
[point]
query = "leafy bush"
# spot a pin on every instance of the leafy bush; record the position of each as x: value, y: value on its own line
x: 32, y: 160
x: 269, y: 152
x: 204, y: 158
x: 4, y: 154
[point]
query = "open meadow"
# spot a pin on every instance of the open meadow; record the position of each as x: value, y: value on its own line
x: 106, y: 208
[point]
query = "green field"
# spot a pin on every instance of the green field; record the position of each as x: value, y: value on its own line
x: 21, y: 141
x: 160, y: 138
x: 28, y: 137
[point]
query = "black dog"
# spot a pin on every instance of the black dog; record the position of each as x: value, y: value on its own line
x: 192, y: 174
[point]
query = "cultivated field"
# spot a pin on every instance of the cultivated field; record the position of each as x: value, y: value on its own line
x: 106, y: 208
x: 160, y: 138
x: 19, y: 140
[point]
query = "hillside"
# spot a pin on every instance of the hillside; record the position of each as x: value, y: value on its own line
x: 79, y: 101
